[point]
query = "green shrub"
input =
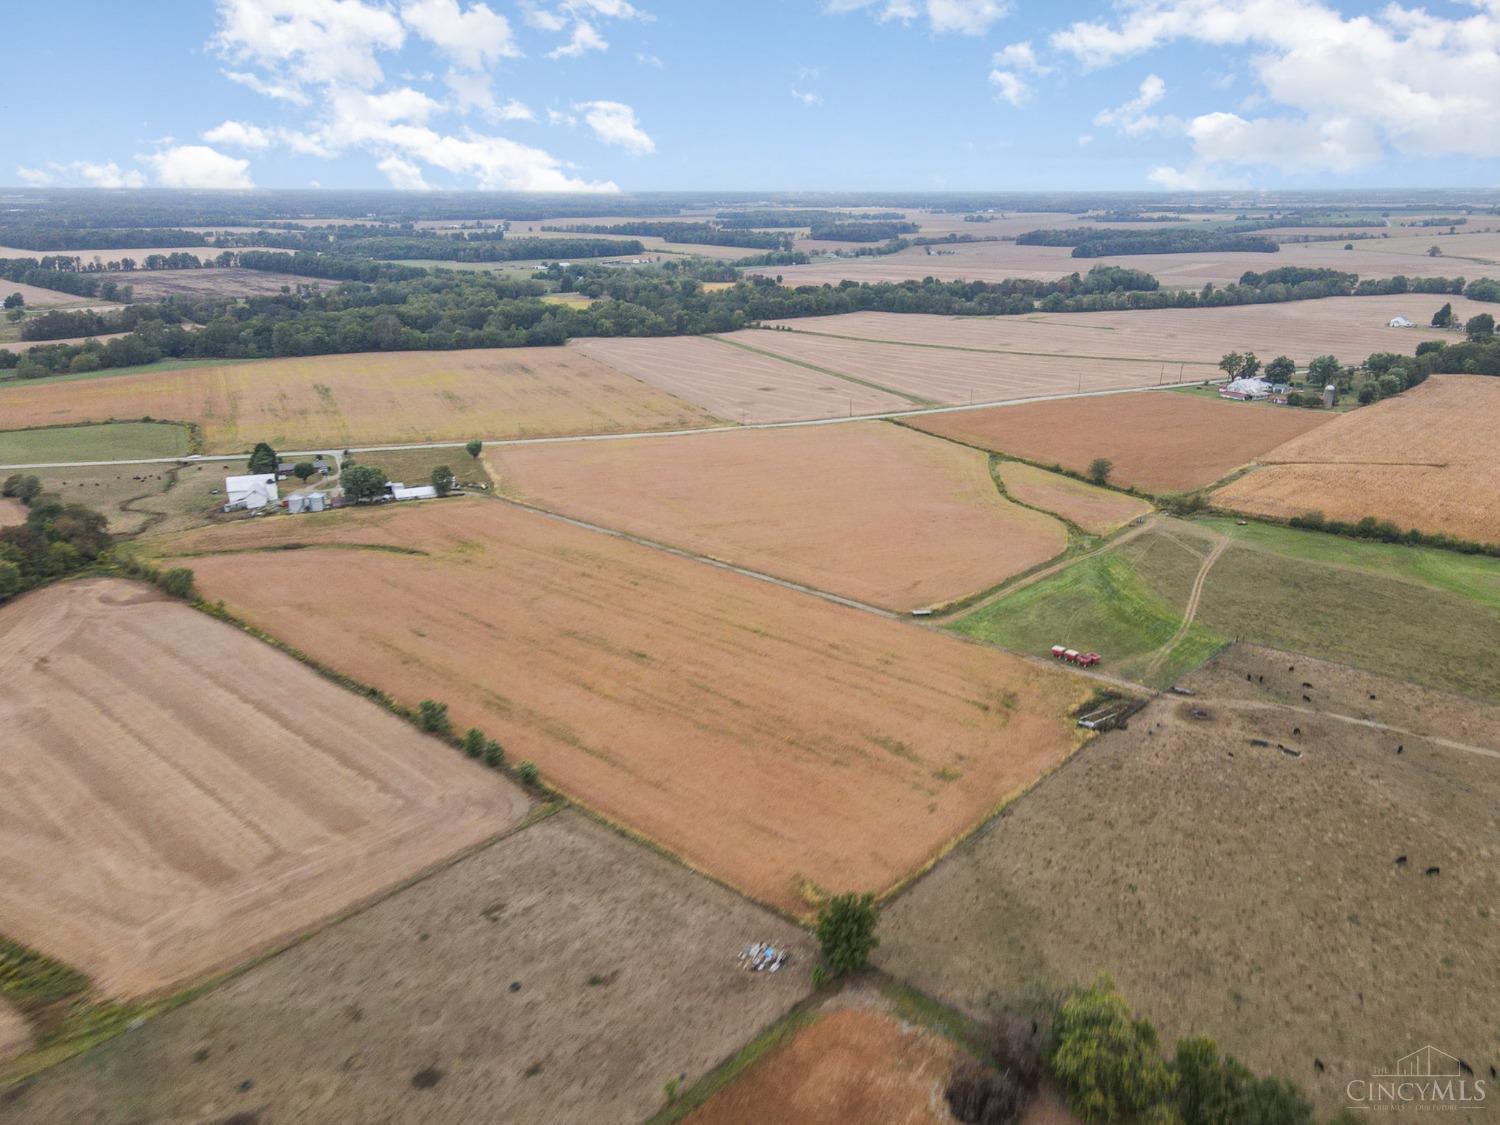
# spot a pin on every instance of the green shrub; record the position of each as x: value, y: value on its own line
x: 528, y: 773
x: 178, y: 582
x: 432, y: 717
x: 494, y: 755
x: 1109, y: 1062
x: 473, y: 742
x: 846, y: 931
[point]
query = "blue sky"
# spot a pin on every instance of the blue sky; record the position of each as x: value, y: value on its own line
x: 777, y: 94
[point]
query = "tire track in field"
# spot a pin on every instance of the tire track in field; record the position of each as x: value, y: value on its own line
x: 1191, y: 611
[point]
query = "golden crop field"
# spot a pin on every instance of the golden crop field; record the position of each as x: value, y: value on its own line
x: 368, y: 398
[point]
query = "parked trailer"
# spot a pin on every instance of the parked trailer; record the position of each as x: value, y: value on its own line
x: 1073, y: 656
x: 1058, y: 651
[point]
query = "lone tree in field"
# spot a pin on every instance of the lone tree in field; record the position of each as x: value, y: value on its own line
x: 263, y: 458
x: 474, y: 446
x: 302, y: 470
x: 15, y: 301
x: 846, y: 931
x: 442, y: 480
x: 1443, y: 318
x: 1481, y: 327
x: 1099, y: 469
x: 363, y: 482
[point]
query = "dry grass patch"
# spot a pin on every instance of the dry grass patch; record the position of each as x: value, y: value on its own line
x: 869, y: 510
x: 1423, y: 459
x: 624, y: 976
x: 154, y: 285
x: 369, y: 398
x: 1239, y: 891
x: 39, y: 298
x: 1097, y: 510
x: 177, y: 795
x: 1160, y: 441
x: 778, y: 741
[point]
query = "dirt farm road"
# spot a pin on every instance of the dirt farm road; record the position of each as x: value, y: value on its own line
x: 792, y: 424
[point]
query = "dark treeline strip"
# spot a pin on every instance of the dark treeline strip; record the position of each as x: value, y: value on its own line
x: 861, y: 232
x: 65, y: 324
x: 53, y: 238
x: 1091, y: 242
x: 483, y: 250
x: 335, y: 267
x: 800, y: 218
x: 700, y: 234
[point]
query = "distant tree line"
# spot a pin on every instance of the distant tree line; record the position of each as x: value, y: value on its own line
x: 701, y: 234
x: 1091, y: 242
x: 53, y: 238
x: 792, y: 217
x: 871, y: 231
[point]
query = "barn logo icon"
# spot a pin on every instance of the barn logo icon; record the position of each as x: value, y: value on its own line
x: 1425, y: 1081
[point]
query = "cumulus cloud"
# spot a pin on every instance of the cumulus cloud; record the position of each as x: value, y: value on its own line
x: 33, y: 177
x: 473, y: 38
x: 807, y: 97
x: 403, y: 174
x: 82, y: 173
x: 297, y: 43
x: 966, y: 17
x: 615, y: 123
x: 237, y: 134
x: 583, y: 17
x: 1339, y: 92
x: 585, y: 38
x: 514, y: 110
x: 1132, y: 118
x: 197, y: 166
x: 1013, y: 66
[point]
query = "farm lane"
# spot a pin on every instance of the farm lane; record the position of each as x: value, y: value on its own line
x: 1387, y: 728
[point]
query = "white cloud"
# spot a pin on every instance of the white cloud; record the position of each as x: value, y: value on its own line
x: 269, y: 87
x: 807, y: 97
x: 473, y: 38
x: 1010, y: 64
x: 237, y: 134
x: 615, y: 123
x: 33, y: 177
x: 1132, y: 118
x: 645, y: 58
x: 308, y: 42
x: 514, y: 110
x: 82, y: 173
x: 1194, y: 177
x: 1341, y: 92
x: 403, y: 174
x: 584, y: 38
x: 967, y: 17
x: 198, y: 166
x: 583, y: 16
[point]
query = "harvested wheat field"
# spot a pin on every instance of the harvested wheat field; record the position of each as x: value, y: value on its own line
x: 624, y: 974
x: 176, y: 795
x: 851, y: 1065
x: 869, y: 510
x: 1097, y: 510
x: 947, y: 376
x: 1161, y: 441
x: 738, y: 384
x: 778, y: 741
x: 1423, y: 459
x: 39, y: 298
x: 1249, y: 866
x: 1171, y: 344
x: 368, y: 398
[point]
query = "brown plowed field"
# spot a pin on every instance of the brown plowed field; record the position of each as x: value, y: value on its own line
x: 946, y: 376
x: 771, y: 738
x: 1096, y: 510
x: 1241, y: 892
x: 1161, y: 440
x: 869, y: 510
x: 1174, y: 344
x: 737, y: 384
x: 625, y: 974
x: 368, y: 398
x: 175, y: 795
x: 850, y: 1066
x: 1423, y: 459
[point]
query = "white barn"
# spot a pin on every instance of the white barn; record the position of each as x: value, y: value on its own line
x: 1400, y: 322
x: 250, y: 492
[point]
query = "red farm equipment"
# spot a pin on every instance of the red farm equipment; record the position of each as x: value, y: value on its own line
x: 1073, y: 656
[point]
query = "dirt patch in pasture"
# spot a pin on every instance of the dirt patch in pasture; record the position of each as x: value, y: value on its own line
x: 12, y: 512
x: 178, y: 795
x: 1159, y: 441
x: 739, y: 385
x: 562, y: 974
x: 1423, y: 459
x: 871, y: 511
x: 15, y: 1032
x: 368, y: 398
x: 1260, y: 877
x: 1097, y: 510
x: 781, y: 742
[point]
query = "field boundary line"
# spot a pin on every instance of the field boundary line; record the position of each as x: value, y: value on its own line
x: 917, y: 399
x: 1001, y: 351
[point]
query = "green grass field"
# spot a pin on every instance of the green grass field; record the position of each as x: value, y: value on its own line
x: 113, y: 441
x: 142, y: 369
x: 1428, y: 616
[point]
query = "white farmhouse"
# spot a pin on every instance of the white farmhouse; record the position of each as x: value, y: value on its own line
x: 251, y: 492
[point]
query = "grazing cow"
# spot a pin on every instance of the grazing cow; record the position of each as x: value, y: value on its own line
x: 1306, y: 684
x: 1400, y: 748
x: 1494, y: 1075
x: 1291, y: 667
x: 1318, y: 1065
x: 1400, y: 861
x: 1466, y: 1068
x: 1296, y: 730
x: 1306, y: 698
x: 1432, y: 871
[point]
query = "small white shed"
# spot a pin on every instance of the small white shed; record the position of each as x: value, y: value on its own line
x: 250, y: 492
x: 1400, y: 322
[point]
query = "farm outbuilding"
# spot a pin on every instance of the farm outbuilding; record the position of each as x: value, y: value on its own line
x: 1246, y: 389
x: 1400, y: 322
x: 399, y: 491
x: 249, y: 492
